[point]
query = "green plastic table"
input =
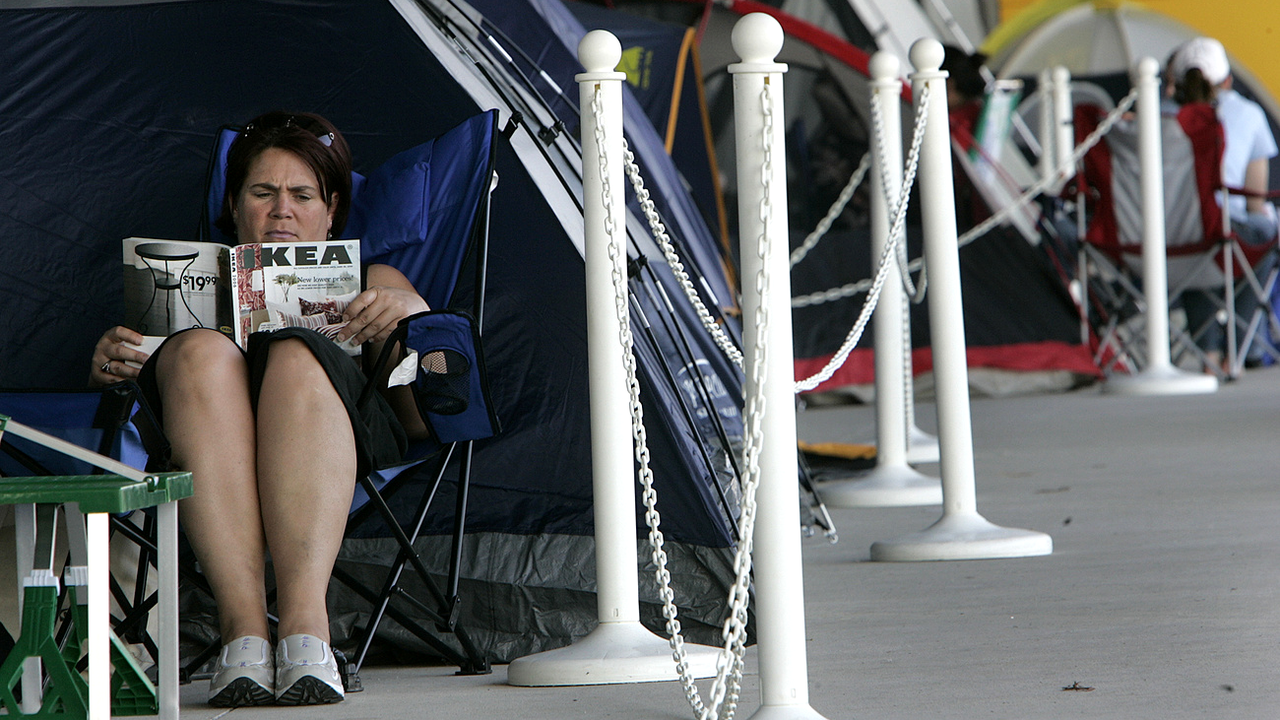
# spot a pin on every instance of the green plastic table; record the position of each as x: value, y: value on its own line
x: 123, y: 490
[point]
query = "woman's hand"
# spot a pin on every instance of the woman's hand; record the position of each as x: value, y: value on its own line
x: 112, y: 353
x: 376, y: 311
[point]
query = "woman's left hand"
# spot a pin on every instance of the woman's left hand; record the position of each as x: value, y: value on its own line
x: 374, y: 313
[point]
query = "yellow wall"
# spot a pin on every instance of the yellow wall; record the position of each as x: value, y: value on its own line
x: 1250, y: 29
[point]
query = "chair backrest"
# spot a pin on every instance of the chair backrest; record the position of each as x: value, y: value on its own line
x: 420, y: 211
x: 425, y: 212
x: 1192, y: 146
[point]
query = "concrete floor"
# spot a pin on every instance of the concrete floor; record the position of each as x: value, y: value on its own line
x: 1159, y: 600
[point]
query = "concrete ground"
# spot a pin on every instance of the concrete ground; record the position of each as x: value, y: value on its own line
x: 1159, y: 600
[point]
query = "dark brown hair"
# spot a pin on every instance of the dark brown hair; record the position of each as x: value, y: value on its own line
x: 313, y: 139
x: 1192, y: 87
x: 965, y: 72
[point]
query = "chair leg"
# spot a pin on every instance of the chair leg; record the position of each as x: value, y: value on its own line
x: 479, y: 663
x: 445, y: 615
x: 391, y: 585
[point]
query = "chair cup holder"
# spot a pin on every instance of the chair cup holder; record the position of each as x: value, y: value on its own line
x: 444, y: 385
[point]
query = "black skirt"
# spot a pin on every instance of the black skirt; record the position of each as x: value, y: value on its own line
x: 379, y: 438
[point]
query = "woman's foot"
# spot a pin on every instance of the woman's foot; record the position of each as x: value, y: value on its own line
x: 306, y: 672
x: 245, y: 674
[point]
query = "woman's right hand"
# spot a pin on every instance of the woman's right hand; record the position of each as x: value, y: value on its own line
x: 112, y: 352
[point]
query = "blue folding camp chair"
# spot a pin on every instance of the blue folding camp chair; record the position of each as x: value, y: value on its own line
x: 425, y: 212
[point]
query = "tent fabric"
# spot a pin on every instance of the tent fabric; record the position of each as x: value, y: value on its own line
x: 110, y: 113
x: 663, y: 73
x: 548, y: 31
x: 1018, y: 315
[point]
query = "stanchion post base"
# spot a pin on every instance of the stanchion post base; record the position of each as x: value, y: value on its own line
x: 963, y: 537
x: 1161, y: 381
x: 885, y: 486
x: 921, y: 446
x: 613, y: 653
x: 787, y: 712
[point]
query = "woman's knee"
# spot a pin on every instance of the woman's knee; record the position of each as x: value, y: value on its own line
x: 197, y: 354
x: 291, y: 358
x: 293, y: 371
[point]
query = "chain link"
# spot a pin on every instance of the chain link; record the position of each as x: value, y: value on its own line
x: 659, y: 231
x: 896, y: 235
x: 833, y: 212
x: 878, y: 132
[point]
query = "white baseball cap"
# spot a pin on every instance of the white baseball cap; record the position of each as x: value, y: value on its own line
x: 1206, y: 55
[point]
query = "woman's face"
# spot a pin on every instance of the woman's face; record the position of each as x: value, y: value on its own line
x: 280, y: 201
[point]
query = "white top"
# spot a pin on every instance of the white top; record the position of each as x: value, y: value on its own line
x: 1248, y: 138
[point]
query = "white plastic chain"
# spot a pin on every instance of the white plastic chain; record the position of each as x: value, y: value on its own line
x: 896, y: 233
x: 729, y: 667
x: 659, y: 231
x: 877, y: 123
x: 985, y: 226
x: 837, y: 207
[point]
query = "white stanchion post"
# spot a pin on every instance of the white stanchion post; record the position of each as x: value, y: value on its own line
x: 961, y: 533
x: 893, y: 483
x: 620, y: 649
x: 1159, y: 377
x: 1048, y: 114
x: 99, y: 635
x: 766, y: 288
x: 1064, y: 124
x: 167, y: 604
x: 921, y: 446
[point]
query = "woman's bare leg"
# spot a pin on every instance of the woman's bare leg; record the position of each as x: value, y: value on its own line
x: 204, y: 388
x: 306, y: 476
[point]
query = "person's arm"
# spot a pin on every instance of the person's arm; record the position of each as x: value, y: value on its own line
x: 1256, y: 179
x: 388, y: 298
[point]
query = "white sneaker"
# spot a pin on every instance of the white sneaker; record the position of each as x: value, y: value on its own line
x: 306, y: 672
x: 245, y: 674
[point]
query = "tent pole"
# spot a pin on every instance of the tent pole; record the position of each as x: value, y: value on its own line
x: 683, y: 404
x: 620, y: 649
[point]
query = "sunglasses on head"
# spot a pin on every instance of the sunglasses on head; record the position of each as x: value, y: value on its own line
x: 325, y: 137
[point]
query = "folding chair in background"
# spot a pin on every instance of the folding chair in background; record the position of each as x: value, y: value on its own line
x: 1203, y: 256
x: 1257, y: 268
